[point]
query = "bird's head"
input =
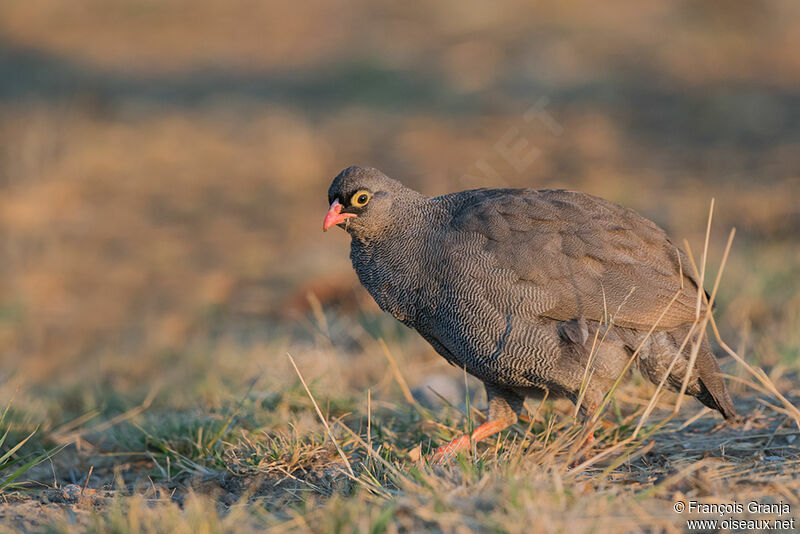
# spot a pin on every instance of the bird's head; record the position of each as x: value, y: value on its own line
x: 366, y: 202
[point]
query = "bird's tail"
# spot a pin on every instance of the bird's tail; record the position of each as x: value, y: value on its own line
x: 706, y: 382
x: 713, y: 392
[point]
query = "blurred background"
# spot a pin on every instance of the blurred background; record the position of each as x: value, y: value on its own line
x: 164, y: 167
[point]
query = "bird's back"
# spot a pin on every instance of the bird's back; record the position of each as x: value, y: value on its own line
x: 586, y: 256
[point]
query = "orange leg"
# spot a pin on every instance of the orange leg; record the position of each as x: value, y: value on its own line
x: 504, y: 405
x: 446, y: 452
x: 589, y: 442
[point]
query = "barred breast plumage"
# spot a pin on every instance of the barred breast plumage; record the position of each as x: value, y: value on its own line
x: 513, y: 284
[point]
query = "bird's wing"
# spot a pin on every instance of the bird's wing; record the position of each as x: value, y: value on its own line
x: 585, y: 257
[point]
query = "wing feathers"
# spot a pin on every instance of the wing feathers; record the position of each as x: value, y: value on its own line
x: 591, y: 257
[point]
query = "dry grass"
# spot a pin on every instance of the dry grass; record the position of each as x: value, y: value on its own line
x: 162, y: 185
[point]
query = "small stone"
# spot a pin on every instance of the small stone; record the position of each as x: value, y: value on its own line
x: 415, y: 454
x: 71, y: 492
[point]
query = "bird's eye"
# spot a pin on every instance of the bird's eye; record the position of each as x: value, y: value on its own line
x: 360, y: 199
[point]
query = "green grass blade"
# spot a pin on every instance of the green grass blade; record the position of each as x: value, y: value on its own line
x: 14, y: 449
x: 7, y: 482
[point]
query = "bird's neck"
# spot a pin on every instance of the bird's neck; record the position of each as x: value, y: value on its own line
x: 391, y: 266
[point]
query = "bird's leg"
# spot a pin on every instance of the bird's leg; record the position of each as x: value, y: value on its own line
x: 586, y: 420
x: 504, y: 406
x: 587, y: 410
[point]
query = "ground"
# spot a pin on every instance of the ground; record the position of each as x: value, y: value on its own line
x: 293, y: 480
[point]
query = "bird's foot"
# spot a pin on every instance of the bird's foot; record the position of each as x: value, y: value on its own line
x: 584, y: 451
x: 447, y: 452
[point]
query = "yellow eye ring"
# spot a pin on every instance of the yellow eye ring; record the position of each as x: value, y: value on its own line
x: 360, y: 198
